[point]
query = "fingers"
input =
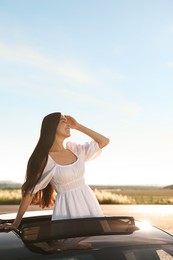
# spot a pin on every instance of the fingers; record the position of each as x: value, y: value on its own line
x: 71, y: 121
x: 6, y: 226
x: 2, y: 226
x: 68, y: 117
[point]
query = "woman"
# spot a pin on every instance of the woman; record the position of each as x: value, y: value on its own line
x: 53, y: 166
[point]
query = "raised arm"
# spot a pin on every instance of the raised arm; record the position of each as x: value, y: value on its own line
x: 25, y: 202
x: 100, y: 139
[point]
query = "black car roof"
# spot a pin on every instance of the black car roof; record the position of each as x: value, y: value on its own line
x: 100, y: 232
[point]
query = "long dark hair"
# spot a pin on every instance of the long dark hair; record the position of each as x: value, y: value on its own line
x: 38, y: 160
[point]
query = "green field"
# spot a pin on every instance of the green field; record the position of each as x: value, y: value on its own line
x: 110, y: 195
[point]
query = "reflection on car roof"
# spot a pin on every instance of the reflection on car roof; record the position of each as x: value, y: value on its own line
x: 83, y: 227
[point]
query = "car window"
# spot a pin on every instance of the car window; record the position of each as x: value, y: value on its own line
x: 164, y: 255
x: 149, y: 253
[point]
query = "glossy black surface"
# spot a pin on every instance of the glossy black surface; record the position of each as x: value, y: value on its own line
x: 144, y: 242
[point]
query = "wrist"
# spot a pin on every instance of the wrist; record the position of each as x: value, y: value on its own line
x: 16, y: 224
x: 78, y: 127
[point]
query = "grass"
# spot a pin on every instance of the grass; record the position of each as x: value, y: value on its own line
x: 10, y: 196
x: 109, y: 196
x: 152, y: 196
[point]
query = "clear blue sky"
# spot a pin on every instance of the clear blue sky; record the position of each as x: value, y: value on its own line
x: 107, y: 63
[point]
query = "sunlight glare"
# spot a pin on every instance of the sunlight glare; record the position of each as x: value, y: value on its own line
x: 143, y: 225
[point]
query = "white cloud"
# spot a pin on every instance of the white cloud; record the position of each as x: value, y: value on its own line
x: 19, y: 54
x: 75, y: 74
x: 114, y: 74
x: 170, y: 29
x: 170, y: 64
x: 116, y: 51
x: 27, y: 55
x: 128, y: 108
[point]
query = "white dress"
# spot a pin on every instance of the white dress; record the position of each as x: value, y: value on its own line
x: 74, y: 198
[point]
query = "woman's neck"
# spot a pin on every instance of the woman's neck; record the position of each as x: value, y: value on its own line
x: 57, y: 146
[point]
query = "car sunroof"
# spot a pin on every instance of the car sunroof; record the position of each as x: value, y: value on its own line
x: 59, y: 229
